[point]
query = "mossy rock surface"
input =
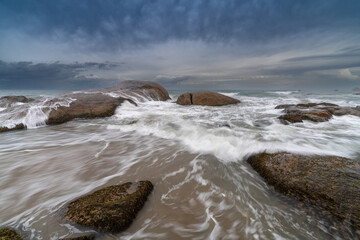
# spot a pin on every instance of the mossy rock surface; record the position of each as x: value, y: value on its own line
x: 111, y: 209
x: 8, y: 234
x: 329, y: 182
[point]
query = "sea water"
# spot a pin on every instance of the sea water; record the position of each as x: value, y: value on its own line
x: 194, y: 155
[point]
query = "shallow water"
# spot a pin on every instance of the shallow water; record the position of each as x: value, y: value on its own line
x: 194, y: 156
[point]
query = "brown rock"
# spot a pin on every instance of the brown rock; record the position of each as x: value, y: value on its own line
x: 185, y: 99
x: 329, y: 182
x: 8, y: 234
x: 16, y: 99
x: 151, y: 89
x: 91, y: 105
x: 206, y: 99
x: 316, y: 112
x: 16, y: 127
x: 87, y: 237
x: 111, y: 209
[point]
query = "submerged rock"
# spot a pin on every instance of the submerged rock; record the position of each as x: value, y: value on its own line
x: 16, y: 127
x: 329, y: 182
x: 205, y: 99
x: 111, y: 209
x: 8, y: 234
x: 316, y: 112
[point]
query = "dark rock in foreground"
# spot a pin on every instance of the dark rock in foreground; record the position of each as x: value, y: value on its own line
x: 205, y: 99
x: 316, y: 112
x: 17, y: 127
x: 8, y: 234
x: 330, y: 182
x: 88, y: 237
x: 111, y: 209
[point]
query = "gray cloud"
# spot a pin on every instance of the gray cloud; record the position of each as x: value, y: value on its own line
x: 108, y: 25
x: 205, y: 44
x: 28, y: 75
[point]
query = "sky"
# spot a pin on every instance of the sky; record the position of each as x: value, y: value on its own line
x: 182, y: 44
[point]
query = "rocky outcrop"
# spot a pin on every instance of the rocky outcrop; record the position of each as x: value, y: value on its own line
x: 316, y: 112
x: 90, y: 105
x: 87, y: 104
x: 329, y: 182
x: 205, y: 99
x: 8, y: 234
x: 111, y: 209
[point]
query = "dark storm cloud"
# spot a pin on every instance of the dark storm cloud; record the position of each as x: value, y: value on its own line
x: 28, y: 75
x: 129, y: 23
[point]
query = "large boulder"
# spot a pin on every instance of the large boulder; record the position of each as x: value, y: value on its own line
x: 316, y: 112
x: 111, y: 209
x: 89, y: 105
x: 84, y: 104
x: 8, y: 234
x: 329, y: 182
x: 149, y: 89
x: 205, y: 99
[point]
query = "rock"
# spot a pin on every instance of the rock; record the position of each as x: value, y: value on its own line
x: 92, y: 105
x: 87, y: 237
x: 316, y: 112
x: 8, y: 234
x: 185, y: 99
x: 111, y: 209
x: 205, y: 99
x: 328, y: 182
x: 16, y: 99
x: 16, y: 127
x: 152, y: 89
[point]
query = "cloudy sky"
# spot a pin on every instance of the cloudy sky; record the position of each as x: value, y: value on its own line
x: 182, y: 44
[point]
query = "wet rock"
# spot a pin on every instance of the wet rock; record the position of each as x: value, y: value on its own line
x: 16, y: 127
x: 316, y: 112
x: 149, y: 89
x: 329, y: 182
x: 8, y: 234
x: 185, y: 99
x: 111, y: 209
x: 92, y: 105
x: 95, y: 103
x: 12, y: 99
x: 205, y: 99
x: 87, y: 237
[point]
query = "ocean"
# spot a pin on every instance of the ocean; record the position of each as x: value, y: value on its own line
x: 194, y: 155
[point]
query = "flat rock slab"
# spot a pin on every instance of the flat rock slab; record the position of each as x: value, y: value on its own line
x: 8, y: 234
x: 111, y: 209
x: 315, y: 112
x: 330, y: 182
x: 205, y: 99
